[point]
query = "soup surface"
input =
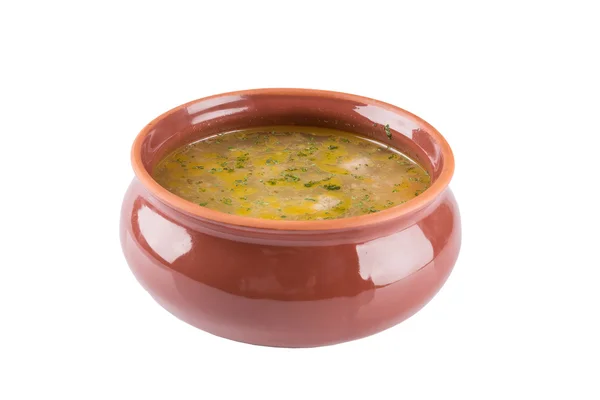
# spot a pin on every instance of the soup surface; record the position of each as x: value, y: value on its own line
x: 291, y: 173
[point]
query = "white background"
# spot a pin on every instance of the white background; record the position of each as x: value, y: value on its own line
x: 513, y: 86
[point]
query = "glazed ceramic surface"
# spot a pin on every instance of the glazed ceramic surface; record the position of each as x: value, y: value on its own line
x: 290, y: 283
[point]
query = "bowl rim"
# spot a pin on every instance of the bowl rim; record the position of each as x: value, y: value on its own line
x: 195, y: 210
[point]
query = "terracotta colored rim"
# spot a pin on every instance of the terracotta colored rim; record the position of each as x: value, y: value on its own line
x: 193, y: 209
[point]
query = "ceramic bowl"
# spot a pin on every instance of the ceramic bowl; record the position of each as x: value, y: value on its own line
x: 290, y: 283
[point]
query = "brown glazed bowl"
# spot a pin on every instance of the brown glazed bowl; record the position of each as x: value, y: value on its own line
x: 290, y: 283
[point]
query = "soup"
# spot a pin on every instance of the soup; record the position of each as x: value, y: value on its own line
x: 291, y: 173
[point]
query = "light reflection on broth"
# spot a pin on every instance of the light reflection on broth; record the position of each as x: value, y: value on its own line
x: 291, y: 173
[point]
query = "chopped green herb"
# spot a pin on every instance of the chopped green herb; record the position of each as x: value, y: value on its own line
x: 203, y: 204
x: 291, y: 178
x: 309, y: 199
x: 240, y: 160
x: 332, y: 187
x: 331, y: 147
x: 311, y: 149
x: 387, y: 131
x: 226, y: 200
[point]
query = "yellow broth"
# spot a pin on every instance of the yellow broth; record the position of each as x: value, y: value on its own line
x: 291, y: 173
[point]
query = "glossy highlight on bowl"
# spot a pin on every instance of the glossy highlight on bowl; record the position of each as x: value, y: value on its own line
x: 290, y: 283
